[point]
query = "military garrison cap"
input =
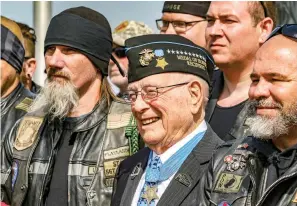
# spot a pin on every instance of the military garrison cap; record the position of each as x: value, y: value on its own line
x: 159, y: 53
x: 196, y: 8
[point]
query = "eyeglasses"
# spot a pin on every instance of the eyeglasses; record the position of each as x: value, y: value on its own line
x: 264, y: 8
x: 119, y: 52
x: 147, y: 93
x: 179, y: 26
x: 289, y: 30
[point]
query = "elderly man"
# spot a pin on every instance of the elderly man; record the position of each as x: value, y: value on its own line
x: 169, y: 79
x: 30, y: 64
x: 15, y: 99
x: 234, y: 33
x: 185, y: 18
x: 261, y: 169
x: 121, y: 33
x: 66, y: 150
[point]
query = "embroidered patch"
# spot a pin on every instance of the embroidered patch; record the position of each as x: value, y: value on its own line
x: 25, y: 104
x: 224, y: 203
x: 108, y: 182
x: 118, y: 120
x: 116, y: 153
x: 14, y: 173
x: 110, y: 168
x: 91, y: 170
x: 228, y: 183
x: 27, y: 132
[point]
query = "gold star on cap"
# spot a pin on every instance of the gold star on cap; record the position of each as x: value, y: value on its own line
x: 150, y: 193
x: 161, y: 62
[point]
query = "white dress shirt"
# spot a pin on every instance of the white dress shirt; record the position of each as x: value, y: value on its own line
x: 164, y: 157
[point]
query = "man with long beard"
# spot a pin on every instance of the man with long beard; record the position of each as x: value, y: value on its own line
x: 262, y: 169
x: 66, y: 150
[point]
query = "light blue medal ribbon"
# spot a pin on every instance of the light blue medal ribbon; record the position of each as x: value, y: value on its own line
x: 174, y: 162
x: 157, y: 172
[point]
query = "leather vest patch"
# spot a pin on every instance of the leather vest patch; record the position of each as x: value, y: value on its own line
x: 116, y: 153
x: 27, y: 132
x: 118, y: 120
x: 228, y: 183
x: 25, y: 104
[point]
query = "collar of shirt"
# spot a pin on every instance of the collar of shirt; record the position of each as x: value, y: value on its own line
x: 168, y: 153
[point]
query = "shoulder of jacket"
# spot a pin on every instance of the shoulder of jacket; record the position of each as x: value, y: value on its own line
x: 130, y: 162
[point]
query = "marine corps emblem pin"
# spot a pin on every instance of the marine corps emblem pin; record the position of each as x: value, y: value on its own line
x: 146, y: 56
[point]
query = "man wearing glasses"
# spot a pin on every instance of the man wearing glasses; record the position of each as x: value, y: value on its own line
x: 262, y: 169
x: 184, y: 18
x: 169, y: 78
x: 121, y: 33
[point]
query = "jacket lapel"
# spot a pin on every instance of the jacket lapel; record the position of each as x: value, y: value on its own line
x: 190, y: 172
x: 134, y: 176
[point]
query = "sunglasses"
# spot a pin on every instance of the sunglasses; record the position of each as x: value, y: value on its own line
x: 289, y: 30
x: 120, y: 52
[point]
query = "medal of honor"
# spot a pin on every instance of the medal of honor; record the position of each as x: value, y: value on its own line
x: 150, y: 193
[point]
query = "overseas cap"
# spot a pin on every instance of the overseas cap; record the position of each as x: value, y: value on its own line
x: 128, y: 29
x: 159, y: 53
x: 196, y: 8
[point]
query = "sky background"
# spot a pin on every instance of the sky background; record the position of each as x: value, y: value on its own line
x: 114, y: 11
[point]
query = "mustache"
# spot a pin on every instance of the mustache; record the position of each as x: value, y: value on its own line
x: 56, y: 72
x: 267, y: 103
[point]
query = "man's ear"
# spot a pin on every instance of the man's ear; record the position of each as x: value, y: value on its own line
x: 265, y: 27
x: 196, y: 96
x: 30, y: 67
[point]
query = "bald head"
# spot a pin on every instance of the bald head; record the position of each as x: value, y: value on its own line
x: 13, y: 27
x: 280, y: 50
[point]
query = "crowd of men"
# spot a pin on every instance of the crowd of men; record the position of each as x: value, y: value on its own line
x: 203, y: 113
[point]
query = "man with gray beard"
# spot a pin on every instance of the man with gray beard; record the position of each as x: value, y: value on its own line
x: 262, y: 169
x: 66, y: 150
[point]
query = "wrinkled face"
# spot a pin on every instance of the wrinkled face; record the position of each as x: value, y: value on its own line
x: 196, y: 33
x: 273, y: 90
x: 8, y: 77
x: 164, y: 119
x: 230, y: 34
x: 114, y: 73
x: 67, y: 64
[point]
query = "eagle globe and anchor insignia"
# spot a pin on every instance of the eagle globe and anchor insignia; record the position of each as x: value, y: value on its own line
x: 146, y: 56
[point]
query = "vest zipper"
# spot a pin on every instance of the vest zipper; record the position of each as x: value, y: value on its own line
x: 266, y: 192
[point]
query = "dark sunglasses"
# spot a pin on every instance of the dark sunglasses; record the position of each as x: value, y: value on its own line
x: 289, y: 30
x: 120, y: 52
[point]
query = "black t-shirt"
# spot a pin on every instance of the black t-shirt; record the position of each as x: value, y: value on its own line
x: 223, y: 119
x: 58, y: 188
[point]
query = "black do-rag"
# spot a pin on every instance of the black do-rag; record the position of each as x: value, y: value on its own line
x: 159, y: 53
x: 85, y: 30
x: 196, y: 8
x: 12, y: 50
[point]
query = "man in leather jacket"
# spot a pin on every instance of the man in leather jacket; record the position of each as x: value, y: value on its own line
x: 261, y: 169
x: 233, y: 42
x: 66, y: 150
x: 15, y: 99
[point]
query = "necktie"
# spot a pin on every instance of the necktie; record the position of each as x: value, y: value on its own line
x: 148, y: 193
